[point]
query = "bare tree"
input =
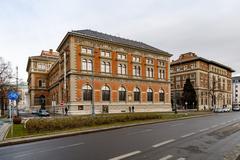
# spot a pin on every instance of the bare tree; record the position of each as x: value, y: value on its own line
x: 5, y: 81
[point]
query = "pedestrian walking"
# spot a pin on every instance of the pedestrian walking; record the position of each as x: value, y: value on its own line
x: 66, y: 111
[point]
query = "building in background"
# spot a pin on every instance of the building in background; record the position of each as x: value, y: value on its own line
x: 211, y: 81
x: 24, y: 101
x: 236, y: 90
x: 108, y: 73
x: 38, y: 68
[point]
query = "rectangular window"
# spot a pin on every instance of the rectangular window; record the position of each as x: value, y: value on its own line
x: 105, y: 53
x: 136, y: 59
x: 149, y: 61
x: 86, y: 50
x: 121, y: 56
x: 149, y: 72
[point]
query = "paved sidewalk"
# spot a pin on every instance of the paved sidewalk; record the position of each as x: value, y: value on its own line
x: 3, y: 130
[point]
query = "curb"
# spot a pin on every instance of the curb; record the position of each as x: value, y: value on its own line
x: 73, y: 133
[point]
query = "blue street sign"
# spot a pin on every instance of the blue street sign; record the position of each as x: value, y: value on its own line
x: 12, y: 95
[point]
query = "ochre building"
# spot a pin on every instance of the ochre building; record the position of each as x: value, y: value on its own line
x: 101, y: 73
x: 211, y: 81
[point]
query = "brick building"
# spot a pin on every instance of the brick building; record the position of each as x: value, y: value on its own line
x: 211, y: 81
x: 109, y: 73
x: 38, y: 68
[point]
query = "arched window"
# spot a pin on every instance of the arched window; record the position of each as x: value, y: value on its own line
x: 122, y: 94
x: 84, y: 64
x: 87, y: 93
x: 89, y: 67
x: 136, y: 93
x: 161, y: 95
x: 105, y: 93
x: 124, y: 68
x: 149, y: 95
x: 103, y: 64
x: 107, y: 67
x: 120, y: 69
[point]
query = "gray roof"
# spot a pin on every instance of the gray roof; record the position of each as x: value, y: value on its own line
x: 202, y: 59
x: 114, y: 39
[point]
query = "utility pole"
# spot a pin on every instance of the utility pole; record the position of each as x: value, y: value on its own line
x: 92, y: 78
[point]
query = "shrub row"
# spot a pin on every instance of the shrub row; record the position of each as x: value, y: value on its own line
x: 71, y: 122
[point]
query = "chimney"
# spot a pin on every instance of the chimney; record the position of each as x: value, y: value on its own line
x: 50, y: 50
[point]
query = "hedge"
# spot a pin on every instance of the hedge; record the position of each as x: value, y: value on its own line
x: 72, y: 122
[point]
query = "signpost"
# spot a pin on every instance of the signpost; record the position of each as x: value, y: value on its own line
x: 12, y: 96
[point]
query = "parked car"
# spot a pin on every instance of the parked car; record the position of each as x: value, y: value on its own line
x: 218, y: 110
x: 43, y: 113
x: 34, y: 111
x: 225, y: 109
x: 236, y: 108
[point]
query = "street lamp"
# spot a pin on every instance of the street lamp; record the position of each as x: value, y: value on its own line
x: 186, y: 105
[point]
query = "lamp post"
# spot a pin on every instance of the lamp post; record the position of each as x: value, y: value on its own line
x: 186, y: 105
x: 92, y: 78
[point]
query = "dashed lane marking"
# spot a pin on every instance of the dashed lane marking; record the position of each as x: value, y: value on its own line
x: 181, y: 159
x: 166, y: 158
x: 179, y: 124
x: 163, y: 143
x: 187, y: 135
x: 126, y: 155
x: 205, y: 129
x: 214, y: 126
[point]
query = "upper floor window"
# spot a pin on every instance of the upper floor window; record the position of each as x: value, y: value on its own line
x: 42, y: 83
x: 161, y: 63
x: 105, y: 53
x: 149, y: 72
x: 41, y: 66
x: 87, y: 65
x: 149, y: 61
x: 161, y: 74
x: 121, y: 56
x: 105, y: 67
x: 136, y: 71
x: 122, y: 69
x: 87, y: 50
x: 136, y: 59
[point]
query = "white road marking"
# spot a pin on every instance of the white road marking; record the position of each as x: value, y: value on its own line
x: 229, y: 121
x: 166, y: 158
x: 139, y: 132
x: 187, y: 135
x: 48, y: 150
x: 179, y: 124
x: 181, y: 159
x: 163, y: 143
x: 214, y: 126
x: 126, y: 155
x: 205, y: 129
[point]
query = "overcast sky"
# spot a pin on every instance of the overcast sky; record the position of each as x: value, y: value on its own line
x: 210, y: 28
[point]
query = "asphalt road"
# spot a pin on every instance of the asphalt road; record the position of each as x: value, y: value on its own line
x: 208, y: 138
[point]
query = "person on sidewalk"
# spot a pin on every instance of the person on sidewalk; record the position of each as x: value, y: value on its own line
x: 66, y: 111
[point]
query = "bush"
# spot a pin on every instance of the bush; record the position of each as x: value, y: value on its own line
x: 17, y: 120
x: 71, y: 122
